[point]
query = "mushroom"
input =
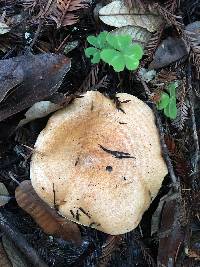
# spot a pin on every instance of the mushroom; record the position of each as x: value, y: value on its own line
x: 99, y: 165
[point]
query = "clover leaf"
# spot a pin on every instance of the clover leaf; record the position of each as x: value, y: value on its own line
x: 94, y: 52
x: 119, y: 42
x: 163, y: 102
x: 171, y: 88
x: 167, y: 101
x: 113, y: 58
x: 98, y: 41
x: 116, y: 50
x: 124, y: 54
x: 171, y: 110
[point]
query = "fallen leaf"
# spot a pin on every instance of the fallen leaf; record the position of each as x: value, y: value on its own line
x: 28, y: 79
x: 4, y: 261
x: 171, y: 231
x: 14, y: 254
x: 169, y: 51
x: 138, y: 34
x: 117, y: 14
x: 4, y: 195
x: 193, y: 29
x: 39, y: 110
x: 156, y: 217
x: 47, y: 218
x: 9, y: 80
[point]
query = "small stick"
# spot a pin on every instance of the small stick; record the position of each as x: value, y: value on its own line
x: 194, y: 126
x: 36, y: 35
x: 58, y: 50
x: 33, y: 150
x: 21, y: 243
x: 173, y: 177
x: 12, y: 176
x: 165, y: 149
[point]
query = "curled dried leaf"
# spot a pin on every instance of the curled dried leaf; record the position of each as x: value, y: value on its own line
x: 47, y: 218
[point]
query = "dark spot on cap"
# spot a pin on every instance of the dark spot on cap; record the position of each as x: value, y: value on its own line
x: 42, y: 188
x: 109, y: 168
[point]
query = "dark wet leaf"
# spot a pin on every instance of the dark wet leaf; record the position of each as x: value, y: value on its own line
x: 14, y: 254
x: 192, y: 29
x: 4, y: 261
x: 48, y: 219
x: 169, y: 51
x: 171, y: 232
x: 28, y: 79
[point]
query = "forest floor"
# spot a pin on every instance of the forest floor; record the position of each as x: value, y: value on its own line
x: 48, y: 38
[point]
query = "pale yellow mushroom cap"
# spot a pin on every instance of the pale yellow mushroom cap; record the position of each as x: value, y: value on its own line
x: 105, y: 165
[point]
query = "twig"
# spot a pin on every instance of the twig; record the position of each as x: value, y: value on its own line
x: 36, y: 34
x: 194, y: 127
x: 168, y: 161
x: 9, y: 53
x: 165, y: 151
x: 20, y: 243
x: 58, y: 50
x: 12, y: 176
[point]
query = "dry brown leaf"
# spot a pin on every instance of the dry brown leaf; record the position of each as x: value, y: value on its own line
x: 117, y: 14
x: 47, y: 218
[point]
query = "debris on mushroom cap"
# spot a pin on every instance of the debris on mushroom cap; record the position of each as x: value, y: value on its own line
x: 101, y: 166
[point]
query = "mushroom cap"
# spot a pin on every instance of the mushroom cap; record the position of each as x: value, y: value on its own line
x: 101, y: 166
